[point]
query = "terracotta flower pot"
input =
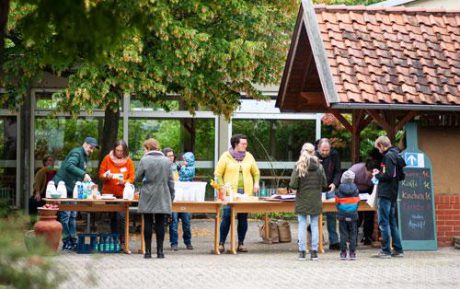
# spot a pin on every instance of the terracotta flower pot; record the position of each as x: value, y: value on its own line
x: 48, y: 227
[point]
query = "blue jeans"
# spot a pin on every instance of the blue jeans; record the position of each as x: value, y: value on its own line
x: 331, y: 219
x: 69, y: 224
x: 117, y: 224
x: 173, y: 235
x: 388, y: 226
x: 225, y: 225
x: 303, y: 232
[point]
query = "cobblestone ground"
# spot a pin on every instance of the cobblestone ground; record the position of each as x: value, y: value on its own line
x: 265, y: 266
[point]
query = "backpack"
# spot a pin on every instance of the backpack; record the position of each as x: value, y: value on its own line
x: 400, y: 164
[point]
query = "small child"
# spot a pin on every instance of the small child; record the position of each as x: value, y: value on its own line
x: 347, y: 202
x: 186, y: 174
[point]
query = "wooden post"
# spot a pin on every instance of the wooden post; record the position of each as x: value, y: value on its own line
x: 357, y: 117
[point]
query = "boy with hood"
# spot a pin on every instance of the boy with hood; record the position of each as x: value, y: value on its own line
x: 347, y: 202
x: 186, y: 174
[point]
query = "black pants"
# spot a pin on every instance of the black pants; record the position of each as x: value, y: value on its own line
x: 348, y: 233
x: 34, y: 204
x: 367, y: 219
x: 160, y: 220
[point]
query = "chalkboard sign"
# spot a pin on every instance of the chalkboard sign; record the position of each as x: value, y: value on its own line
x: 416, y: 207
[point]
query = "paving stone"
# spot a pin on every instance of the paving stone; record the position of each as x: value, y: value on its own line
x: 265, y: 266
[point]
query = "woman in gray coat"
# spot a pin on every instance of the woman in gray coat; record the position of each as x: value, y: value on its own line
x: 307, y: 180
x: 156, y: 194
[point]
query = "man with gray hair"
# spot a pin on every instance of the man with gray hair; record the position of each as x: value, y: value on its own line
x: 387, y: 193
x: 330, y: 160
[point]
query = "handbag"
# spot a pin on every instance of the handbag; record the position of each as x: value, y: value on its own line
x: 284, y: 230
x: 372, y: 200
x: 273, y: 233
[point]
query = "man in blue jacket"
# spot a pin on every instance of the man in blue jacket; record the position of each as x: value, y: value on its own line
x: 387, y: 193
x: 73, y: 169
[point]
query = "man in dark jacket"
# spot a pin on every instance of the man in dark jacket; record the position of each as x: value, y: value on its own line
x: 330, y: 160
x: 387, y: 193
x: 73, y: 169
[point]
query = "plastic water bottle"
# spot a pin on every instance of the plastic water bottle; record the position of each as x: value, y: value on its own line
x: 263, y: 190
x: 117, y: 245
x: 80, y: 191
x: 108, y: 241
x: 102, y: 244
x: 112, y: 245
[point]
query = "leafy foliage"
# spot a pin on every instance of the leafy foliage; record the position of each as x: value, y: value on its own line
x: 205, y: 51
x: 21, y: 267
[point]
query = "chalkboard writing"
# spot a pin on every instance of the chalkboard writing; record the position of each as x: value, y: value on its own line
x: 416, y: 205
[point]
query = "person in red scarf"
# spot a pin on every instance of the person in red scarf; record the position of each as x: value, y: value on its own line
x: 116, y: 169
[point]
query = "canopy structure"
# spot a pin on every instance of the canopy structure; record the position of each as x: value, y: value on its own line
x: 380, y: 64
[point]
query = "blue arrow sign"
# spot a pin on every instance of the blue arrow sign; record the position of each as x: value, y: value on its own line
x: 414, y: 160
x: 411, y: 160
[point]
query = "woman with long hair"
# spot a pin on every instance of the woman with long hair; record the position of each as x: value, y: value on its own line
x: 115, y: 171
x: 307, y: 180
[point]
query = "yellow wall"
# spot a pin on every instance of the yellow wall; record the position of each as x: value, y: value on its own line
x: 442, y: 145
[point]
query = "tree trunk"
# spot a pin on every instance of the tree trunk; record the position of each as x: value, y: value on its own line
x: 109, y: 131
x: 4, y: 11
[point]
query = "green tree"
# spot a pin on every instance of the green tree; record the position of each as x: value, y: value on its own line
x: 205, y: 52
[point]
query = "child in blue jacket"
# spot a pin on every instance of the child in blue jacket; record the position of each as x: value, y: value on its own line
x: 347, y: 202
x: 186, y: 174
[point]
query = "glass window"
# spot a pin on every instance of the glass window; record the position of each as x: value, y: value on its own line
x: 57, y: 136
x: 181, y: 135
x: 8, y: 161
x: 145, y: 105
x: 275, y: 140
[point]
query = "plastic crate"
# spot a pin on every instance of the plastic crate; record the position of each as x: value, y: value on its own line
x: 98, y: 243
x: 87, y: 243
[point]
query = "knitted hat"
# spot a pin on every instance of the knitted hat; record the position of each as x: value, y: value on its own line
x: 348, y: 177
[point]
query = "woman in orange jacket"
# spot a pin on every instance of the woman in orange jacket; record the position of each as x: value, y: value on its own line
x: 115, y: 171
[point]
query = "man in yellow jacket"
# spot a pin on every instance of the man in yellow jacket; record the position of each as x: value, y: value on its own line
x: 238, y: 168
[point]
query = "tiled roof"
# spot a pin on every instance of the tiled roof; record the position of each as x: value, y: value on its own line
x: 393, y: 55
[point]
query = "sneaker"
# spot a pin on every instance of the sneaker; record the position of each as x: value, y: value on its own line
x: 397, y: 254
x: 221, y: 248
x: 189, y: 247
x: 66, y: 245
x: 174, y: 248
x: 383, y: 255
x: 302, y: 256
x: 343, y: 255
x: 352, y: 256
x: 314, y: 255
x: 334, y: 247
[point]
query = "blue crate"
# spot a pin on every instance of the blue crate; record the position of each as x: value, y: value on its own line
x: 98, y: 243
x: 86, y: 243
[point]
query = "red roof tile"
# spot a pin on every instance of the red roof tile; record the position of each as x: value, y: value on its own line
x: 393, y: 55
